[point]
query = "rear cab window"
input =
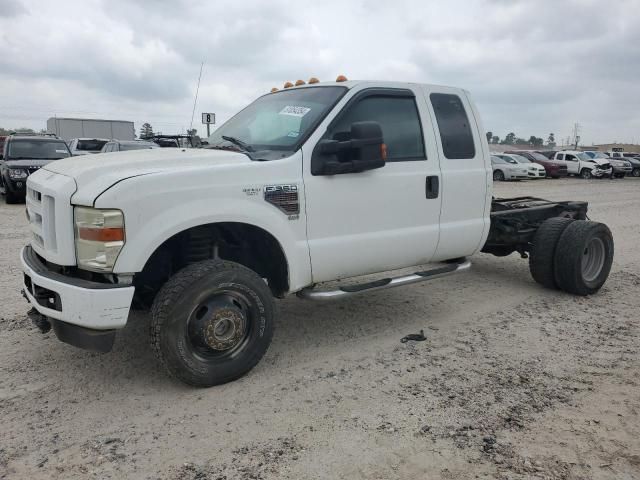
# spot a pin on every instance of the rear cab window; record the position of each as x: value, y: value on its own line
x: 453, y: 123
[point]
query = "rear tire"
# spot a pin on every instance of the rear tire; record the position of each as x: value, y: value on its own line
x: 212, y: 322
x: 498, y: 176
x: 583, y: 257
x: 543, y: 250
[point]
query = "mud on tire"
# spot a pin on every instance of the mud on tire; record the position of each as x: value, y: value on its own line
x: 543, y: 250
x: 212, y: 322
x: 583, y: 257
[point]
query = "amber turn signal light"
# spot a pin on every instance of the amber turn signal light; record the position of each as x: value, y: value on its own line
x: 288, y: 85
x: 313, y: 80
x: 341, y: 78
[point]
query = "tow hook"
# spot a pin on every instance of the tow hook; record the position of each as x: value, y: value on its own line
x: 39, y: 320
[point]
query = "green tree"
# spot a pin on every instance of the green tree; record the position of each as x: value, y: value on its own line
x: 495, y: 139
x: 521, y: 141
x: 489, y: 136
x: 146, y: 131
x: 192, y: 132
x: 551, y: 140
x: 509, y: 139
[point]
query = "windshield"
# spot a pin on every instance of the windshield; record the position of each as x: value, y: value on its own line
x: 277, y: 121
x: 136, y: 146
x: 583, y: 156
x: 598, y: 155
x: 521, y: 159
x: 37, y: 150
x: 90, y: 145
x: 539, y: 156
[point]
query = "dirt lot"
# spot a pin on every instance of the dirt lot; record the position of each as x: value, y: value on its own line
x: 514, y: 381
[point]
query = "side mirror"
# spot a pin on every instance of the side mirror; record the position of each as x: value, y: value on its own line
x: 361, y: 149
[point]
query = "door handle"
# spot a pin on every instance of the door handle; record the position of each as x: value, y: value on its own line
x: 432, y: 186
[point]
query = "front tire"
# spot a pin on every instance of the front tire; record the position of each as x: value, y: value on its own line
x: 543, y: 250
x: 583, y: 257
x: 212, y: 322
x: 636, y: 172
x: 586, y: 174
x: 498, y: 176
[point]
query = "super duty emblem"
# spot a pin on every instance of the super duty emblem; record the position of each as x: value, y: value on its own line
x: 285, y: 197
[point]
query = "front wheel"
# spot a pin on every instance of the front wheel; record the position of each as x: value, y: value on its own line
x: 498, y: 176
x: 583, y: 257
x: 636, y: 172
x: 586, y: 174
x: 212, y: 322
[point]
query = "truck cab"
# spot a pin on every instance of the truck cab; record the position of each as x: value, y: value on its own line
x: 307, y: 185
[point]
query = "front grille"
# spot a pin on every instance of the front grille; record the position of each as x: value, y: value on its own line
x: 606, y: 166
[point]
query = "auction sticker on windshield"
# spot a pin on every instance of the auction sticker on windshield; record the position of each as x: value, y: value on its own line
x: 295, y: 111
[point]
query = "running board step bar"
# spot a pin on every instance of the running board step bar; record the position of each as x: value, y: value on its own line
x: 347, y: 291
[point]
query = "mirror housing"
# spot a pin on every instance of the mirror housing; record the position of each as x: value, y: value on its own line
x: 363, y: 149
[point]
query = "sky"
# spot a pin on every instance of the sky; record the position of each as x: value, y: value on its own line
x: 532, y: 66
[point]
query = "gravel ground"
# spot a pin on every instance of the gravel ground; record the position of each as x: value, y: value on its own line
x: 513, y: 381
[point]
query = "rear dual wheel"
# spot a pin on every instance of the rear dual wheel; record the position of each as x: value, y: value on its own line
x: 571, y: 255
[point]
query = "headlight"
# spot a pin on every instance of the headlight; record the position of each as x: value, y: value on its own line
x: 99, y: 237
x: 17, y: 173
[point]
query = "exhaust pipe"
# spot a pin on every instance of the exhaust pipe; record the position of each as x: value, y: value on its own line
x: 39, y: 320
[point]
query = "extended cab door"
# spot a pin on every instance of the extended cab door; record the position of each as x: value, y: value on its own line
x: 466, y: 172
x: 380, y: 219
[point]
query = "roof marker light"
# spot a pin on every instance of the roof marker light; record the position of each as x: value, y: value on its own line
x: 300, y: 82
x: 274, y: 90
x: 288, y: 85
x: 313, y: 80
x: 341, y: 78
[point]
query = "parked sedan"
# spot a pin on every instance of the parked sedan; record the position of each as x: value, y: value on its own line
x: 621, y: 166
x: 534, y: 170
x: 553, y: 169
x: 503, y: 170
x: 124, y: 145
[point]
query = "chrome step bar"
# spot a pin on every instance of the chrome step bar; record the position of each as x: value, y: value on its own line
x: 311, y: 293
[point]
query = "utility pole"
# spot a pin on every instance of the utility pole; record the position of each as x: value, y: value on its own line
x: 576, y: 135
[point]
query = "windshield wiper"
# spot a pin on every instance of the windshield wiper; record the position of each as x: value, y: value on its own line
x: 236, y: 141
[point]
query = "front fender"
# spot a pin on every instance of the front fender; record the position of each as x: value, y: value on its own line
x: 152, y: 219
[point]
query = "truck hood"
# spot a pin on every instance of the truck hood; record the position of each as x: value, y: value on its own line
x: 94, y: 174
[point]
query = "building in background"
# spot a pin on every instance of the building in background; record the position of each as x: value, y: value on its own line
x: 69, y: 128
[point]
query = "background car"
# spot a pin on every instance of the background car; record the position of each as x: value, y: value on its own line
x: 634, y: 161
x: 503, y: 170
x: 21, y: 156
x: 125, y: 145
x: 533, y: 169
x: 579, y: 163
x: 85, y: 146
x: 621, y: 167
x: 553, y: 169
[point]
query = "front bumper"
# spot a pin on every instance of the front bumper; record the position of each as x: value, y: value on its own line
x: 77, y: 302
x: 625, y: 170
x: 601, y: 173
x: 17, y: 186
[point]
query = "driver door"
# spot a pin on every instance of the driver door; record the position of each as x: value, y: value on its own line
x: 381, y: 219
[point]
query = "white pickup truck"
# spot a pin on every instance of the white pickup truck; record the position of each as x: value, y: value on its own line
x: 579, y: 163
x: 307, y: 185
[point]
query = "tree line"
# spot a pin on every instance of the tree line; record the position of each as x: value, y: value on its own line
x: 512, y: 139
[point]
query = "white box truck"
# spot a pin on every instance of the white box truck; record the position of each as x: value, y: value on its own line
x: 69, y: 128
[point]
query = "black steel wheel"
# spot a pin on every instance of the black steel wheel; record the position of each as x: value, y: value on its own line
x: 212, y: 322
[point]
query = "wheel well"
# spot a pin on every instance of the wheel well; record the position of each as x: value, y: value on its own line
x: 242, y: 243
